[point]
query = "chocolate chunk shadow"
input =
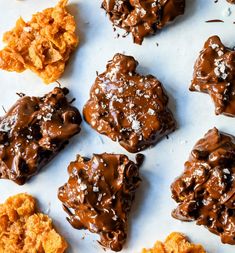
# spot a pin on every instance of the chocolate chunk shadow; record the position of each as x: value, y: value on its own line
x: 172, y: 105
x: 139, y: 205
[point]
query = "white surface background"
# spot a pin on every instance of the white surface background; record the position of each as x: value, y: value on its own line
x: 172, y: 62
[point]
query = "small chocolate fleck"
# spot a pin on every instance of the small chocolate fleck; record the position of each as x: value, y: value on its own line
x: 215, y: 21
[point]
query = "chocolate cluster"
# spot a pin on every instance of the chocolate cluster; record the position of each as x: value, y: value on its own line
x: 128, y: 107
x: 33, y: 131
x: 205, y: 191
x: 99, y: 194
x: 214, y: 73
x: 141, y: 17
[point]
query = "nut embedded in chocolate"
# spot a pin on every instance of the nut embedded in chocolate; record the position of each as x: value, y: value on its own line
x: 206, y: 190
x: 141, y: 17
x: 214, y: 73
x: 33, y: 131
x: 99, y: 194
x: 127, y: 107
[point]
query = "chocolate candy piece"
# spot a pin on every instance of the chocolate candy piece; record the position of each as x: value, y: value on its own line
x: 141, y: 17
x: 206, y: 190
x: 214, y: 73
x: 231, y: 1
x: 127, y: 107
x: 33, y: 131
x: 99, y: 194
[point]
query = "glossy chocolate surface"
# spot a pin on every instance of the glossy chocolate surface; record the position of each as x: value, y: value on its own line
x: 206, y: 190
x: 99, y: 194
x: 33, y: 131
x: 127, y: 107
x: 142, y: 17
x: 214, y: 73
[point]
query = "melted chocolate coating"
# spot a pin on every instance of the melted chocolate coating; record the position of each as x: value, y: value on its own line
x: 206, y: 190
x: 127, y: 107
x: 99, y: 194
x: 143, y: 17
x: 33, y: 131
x: 214, y: 73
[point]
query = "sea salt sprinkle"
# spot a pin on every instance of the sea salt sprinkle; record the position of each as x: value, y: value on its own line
x: 135, y: 124
x: 220, y: 69
x: 151, y: 111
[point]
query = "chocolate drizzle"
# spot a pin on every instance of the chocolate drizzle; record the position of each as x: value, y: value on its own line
x: 206, y: 190
x: 33, y: 131
x: 99, y: 194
